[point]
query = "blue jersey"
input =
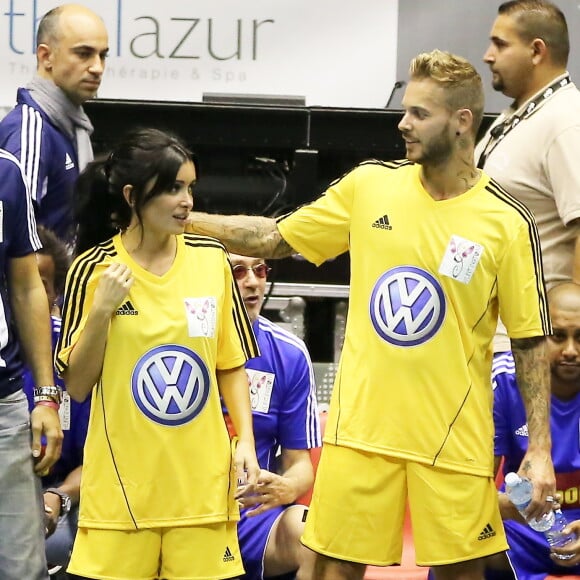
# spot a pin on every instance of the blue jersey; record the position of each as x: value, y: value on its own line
x: 48, y: 158
x: 284, y: 411
x: 282, y: 394
x: 74, y: 421
x: 18, y: 238
x: 529, y: 551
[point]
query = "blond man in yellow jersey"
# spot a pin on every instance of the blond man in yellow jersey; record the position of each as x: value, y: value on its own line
x: 437, y: 251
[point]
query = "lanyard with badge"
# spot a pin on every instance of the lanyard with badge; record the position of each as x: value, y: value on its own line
x: 499, y: 132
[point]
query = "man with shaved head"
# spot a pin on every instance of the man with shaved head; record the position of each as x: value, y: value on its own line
x: 48, y: 130
x: 529, y: 552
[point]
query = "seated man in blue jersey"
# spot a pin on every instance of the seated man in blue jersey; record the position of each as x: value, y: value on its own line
x: 529, y: 553
x: 62, y: 485
x: 283, y: 397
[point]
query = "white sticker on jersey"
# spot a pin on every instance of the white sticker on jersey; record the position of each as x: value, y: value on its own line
x: 460, y: 259
x: 261, y: 384
x: 64, y: 412
x: 201, y: 316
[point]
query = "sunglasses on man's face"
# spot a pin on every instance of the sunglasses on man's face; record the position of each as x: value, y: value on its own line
x: 260, y: 271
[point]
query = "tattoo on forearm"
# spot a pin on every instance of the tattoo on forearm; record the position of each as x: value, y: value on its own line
x: 261, y: 239
x: 533, y: 377
x: 249, y: 235
x: 526, y: 466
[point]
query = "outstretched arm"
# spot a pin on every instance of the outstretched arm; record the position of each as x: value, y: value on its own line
x: 533, y: 378
x: 242, y: 234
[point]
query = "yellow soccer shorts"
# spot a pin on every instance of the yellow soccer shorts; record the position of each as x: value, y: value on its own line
x: 188, y: 553
x: 358, y: 507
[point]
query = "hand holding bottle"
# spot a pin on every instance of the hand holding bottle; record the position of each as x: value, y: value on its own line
x: 569, y: 555
x: 519, y: 491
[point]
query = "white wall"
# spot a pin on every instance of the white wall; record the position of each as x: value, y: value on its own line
x: 339, y: 54
x: 462, y: 27
x: 329, y: 52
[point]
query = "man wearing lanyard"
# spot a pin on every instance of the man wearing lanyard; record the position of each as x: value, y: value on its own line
x: 532, y: 148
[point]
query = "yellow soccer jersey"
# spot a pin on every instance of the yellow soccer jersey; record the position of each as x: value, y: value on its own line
x: 427, y: 279
x: 157, y: 452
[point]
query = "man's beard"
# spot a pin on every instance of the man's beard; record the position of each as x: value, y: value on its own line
x: 438, y: 149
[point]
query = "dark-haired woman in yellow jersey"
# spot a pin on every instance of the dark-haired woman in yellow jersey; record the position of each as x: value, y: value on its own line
x: 154, y: 327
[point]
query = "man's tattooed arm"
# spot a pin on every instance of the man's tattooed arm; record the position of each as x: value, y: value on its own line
x: 533, y: 378
x: 248, y: 235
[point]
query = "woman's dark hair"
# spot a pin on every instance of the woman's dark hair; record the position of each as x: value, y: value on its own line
x: 54, y: 247
x: 142, y: 155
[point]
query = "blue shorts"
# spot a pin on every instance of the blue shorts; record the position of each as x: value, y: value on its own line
x: 253, y: 536
x: 529, y: 553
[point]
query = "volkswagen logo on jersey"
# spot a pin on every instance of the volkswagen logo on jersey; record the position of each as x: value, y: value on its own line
x: 170, y: 384
x: 407, y: 306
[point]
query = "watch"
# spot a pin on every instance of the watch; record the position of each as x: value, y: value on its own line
x: 45, y: 392
x: 65, y: 502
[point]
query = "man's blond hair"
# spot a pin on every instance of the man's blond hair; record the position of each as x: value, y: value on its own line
x: 456, y: 76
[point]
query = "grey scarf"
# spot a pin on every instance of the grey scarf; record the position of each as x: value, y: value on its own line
x: 71, y: 119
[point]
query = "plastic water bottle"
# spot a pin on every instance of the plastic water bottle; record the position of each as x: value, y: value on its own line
x: 519, y: 492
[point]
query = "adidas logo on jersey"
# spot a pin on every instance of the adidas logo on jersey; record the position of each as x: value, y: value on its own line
x: 383, y: 223
x: 127, y: 309
x: 68, y: 162
x: 487, y: 532
x: 522, y: 431
x: 228, y: 556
